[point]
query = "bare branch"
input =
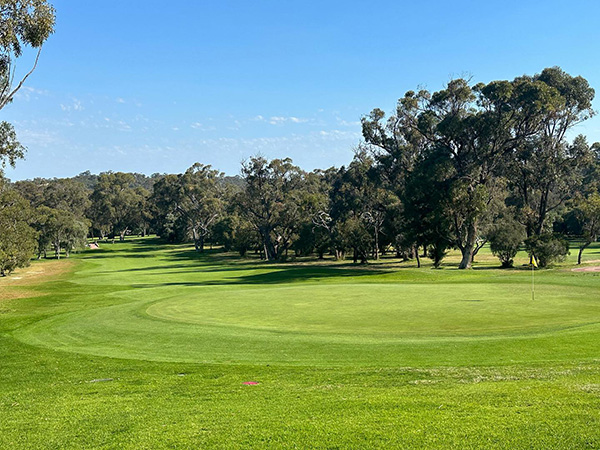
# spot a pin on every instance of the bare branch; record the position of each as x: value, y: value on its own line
x: 5, y: 100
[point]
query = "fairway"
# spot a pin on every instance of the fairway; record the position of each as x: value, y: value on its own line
x: 141, y: 318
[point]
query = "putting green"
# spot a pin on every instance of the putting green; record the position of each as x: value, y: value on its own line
x: 332, y: 324
x: 385, y: 310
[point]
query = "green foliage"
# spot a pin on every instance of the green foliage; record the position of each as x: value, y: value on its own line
x: 437, y: 251
x: 61, y: 229
x: 24, y: 23
x: 457, y: 145
x: 588, y: 214
x: 547, y: 248
x: 274, y: 201
x: 116, y: 204
x: 17, y: 238
x: 356, y: 236
x: 505, y: 238
x: 10, y: 148
x: 195, y: 197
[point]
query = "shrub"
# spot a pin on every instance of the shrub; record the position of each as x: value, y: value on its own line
x: 505, y: 239
x: 547, y: 248
x: 437, y: 251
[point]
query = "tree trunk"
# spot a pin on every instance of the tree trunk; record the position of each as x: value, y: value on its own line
x: 376, y: 254
x: 122, y: 234
x: 269, y: 247
x: 418, y: 257
x: 581, y: 249
x: 468, y: 248
x: 198, y: 241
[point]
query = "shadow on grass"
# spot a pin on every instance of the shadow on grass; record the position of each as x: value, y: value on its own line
x: 276, y: 276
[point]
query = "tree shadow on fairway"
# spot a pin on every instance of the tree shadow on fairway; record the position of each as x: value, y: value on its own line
x: 214, y: 261
x: 275, y: 276
x: 130, y: 248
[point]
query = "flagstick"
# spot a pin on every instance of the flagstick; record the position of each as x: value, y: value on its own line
x: 532, y: 282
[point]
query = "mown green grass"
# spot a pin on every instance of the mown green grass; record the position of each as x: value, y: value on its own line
x: 144, y: 345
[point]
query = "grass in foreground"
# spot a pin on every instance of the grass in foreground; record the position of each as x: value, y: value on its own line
x: 142, y: 345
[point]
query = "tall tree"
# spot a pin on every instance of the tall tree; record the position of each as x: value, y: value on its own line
x: 65, y: 194
x: 195, y: 196
x: 472, y: 131
x: 270, y: 201
x: 63, y: 230
x: 546, y: 170
x: 17, y: 238
x: 116, y: 204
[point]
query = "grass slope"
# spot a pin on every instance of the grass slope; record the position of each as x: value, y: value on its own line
x: 142, y: 345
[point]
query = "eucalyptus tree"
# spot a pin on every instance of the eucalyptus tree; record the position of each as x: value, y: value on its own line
x: 195, y: 198
x: 59, y: 208
x: 200, y: 201
x: 61, y: 230
x: 547, y: 170
x: 272, y: 202
x: 469, y: 131
x: 65, y: 194
x: 17, y: 238
x: 116, y: 204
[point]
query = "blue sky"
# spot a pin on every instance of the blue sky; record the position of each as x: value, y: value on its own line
x: 151, y: 86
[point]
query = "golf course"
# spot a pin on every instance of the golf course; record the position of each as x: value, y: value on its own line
x: 141, y: 344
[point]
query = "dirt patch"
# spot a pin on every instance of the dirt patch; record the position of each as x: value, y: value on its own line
x: 587, y: 269
x: 10, y: 294
x: 38, y: 272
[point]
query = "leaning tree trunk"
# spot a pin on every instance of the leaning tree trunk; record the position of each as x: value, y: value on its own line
x: 468, y: 249
x: 581, y: 249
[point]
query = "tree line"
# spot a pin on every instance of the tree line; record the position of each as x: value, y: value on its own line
x: 468, y: 165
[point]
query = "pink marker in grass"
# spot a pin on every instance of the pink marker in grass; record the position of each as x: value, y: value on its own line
x: 250, y: 383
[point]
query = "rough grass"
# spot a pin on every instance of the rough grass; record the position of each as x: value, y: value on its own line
x: 142, y: 345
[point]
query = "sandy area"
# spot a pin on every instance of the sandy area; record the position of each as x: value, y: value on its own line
x: 587, y: 269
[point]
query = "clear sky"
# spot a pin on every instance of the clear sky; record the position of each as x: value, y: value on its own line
x: 151, y: 86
